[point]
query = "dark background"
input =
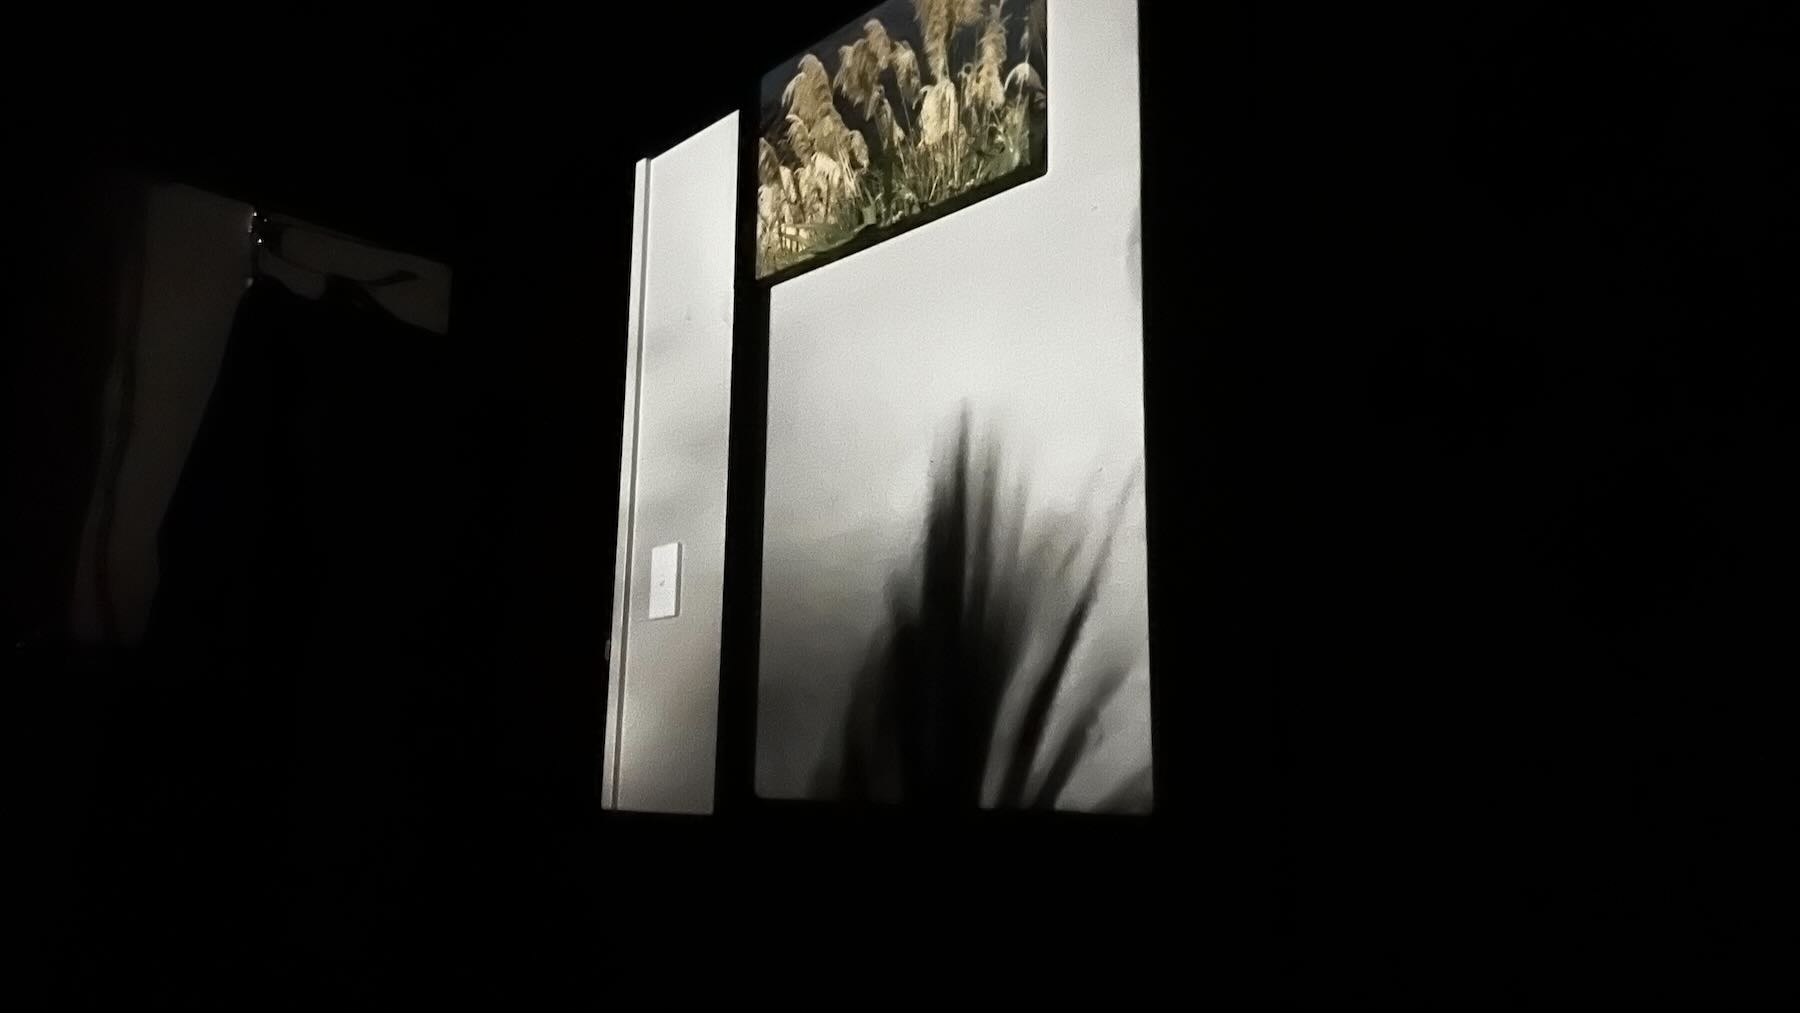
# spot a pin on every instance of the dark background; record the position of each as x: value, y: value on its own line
x: 1466, y: 491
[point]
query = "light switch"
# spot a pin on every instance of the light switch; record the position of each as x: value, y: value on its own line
x: 665, y: 580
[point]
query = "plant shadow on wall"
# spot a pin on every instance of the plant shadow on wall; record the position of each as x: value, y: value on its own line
x: 987, y: 623
x: 894, y: 130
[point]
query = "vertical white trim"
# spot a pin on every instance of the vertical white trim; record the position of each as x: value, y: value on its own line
x: 664, y: 715
x: 621, y: 609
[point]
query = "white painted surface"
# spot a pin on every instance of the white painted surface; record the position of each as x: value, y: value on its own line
x: 663, y: 717
x: 1028, y: 305
x: 621, y: 598
x: 665, y: 581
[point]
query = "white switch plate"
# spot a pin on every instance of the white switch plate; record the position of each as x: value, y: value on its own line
x: 665, y: 580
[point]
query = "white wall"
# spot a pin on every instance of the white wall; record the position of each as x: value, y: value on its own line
x: 1027, y: 304
x: 663, y: 699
